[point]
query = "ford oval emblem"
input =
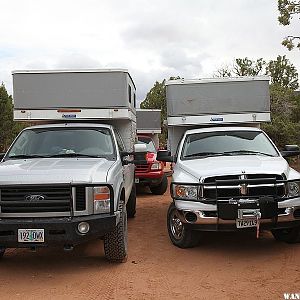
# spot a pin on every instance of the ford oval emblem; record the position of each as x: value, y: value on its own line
x: 34, y: 197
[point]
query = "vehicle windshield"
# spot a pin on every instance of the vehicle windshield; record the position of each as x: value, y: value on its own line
x: 227, y: 143
x: 148, y: 142
x: 63, y: 142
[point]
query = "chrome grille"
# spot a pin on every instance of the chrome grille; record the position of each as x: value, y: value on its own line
x: 244, y: 185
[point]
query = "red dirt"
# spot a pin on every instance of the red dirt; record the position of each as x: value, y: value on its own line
x: 223, y: 266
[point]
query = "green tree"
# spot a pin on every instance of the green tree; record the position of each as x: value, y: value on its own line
x: 287, y: 10
x: 282, y: 72
x: 242, y: 67
x: 248, y: 67
x: 8, y: 128
x: 156, y: 98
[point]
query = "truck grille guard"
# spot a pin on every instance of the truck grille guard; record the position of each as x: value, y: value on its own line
x: 228, y: 190
x: 248, y: 203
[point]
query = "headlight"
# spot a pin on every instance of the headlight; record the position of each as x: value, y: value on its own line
x: 293, y: 188
x: 156, y: 166
x: 188, y: 192
x: 101, y: 199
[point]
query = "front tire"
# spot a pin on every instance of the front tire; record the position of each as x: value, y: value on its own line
x: 116, y: 241
x: 131, y: 204
x: 161, y: 188
x: 288, y: 235
x: 180, y: 236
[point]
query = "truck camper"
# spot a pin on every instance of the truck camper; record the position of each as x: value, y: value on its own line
x: 228, y: 174
x: 70, y: 177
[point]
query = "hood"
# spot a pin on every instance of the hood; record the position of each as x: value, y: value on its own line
x: 232, y: 165
x: 54, y: 170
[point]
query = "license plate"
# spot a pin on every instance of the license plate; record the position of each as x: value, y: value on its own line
x: 137, y: 180
x: 244, y: 223
x: 30, y: 235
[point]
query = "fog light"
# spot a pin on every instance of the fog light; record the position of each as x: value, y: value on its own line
x: 83, y: 227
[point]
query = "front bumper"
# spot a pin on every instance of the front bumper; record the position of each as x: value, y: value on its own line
x: 207, y: 216
x: 58, y: 231
x: 151, y: 177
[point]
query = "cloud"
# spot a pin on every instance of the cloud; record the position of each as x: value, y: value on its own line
x: 153, y: 39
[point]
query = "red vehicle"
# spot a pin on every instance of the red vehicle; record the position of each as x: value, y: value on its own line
x: 151, y: 174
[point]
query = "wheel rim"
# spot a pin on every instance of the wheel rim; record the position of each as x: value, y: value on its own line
x: 176, y: 225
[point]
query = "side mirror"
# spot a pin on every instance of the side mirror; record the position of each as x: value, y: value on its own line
x: 1, y: 156
x: 140, y: 151
x: 290, y: 150
x: 140, y: 148
x: 165, y: 155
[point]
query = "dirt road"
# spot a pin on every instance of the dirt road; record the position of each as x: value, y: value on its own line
x: 223, y: 266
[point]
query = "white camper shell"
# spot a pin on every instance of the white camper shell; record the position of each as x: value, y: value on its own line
x: 104, y: 96
x: 215, y: 101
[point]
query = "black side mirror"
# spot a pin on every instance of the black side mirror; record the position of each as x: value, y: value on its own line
x: 290, y: 150
x: 164, y: 155
x: 1, y: 156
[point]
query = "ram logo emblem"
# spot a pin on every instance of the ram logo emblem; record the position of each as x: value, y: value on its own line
x: 243, y: 186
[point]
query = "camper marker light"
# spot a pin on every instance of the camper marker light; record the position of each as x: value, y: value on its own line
x: 101, y: 200
x: 293, y: 188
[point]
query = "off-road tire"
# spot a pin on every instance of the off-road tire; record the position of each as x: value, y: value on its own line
x: 187, y: 238
x: 161, y: 188
x: 288, y: 235
x: 131, y: 204
x: 115, y: 242
x: 2, y: 251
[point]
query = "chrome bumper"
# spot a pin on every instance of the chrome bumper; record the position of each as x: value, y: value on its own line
x: 201, y: 210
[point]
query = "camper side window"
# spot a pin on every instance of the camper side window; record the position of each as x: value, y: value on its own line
x: 129, y: 93
x: 134, y: 100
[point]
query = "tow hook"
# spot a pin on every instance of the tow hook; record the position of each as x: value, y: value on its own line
x: 251, y: 213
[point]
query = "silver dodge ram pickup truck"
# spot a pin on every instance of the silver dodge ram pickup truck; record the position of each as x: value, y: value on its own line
x: 64, y: 184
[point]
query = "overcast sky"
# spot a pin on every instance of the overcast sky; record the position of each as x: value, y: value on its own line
x: 152, y: 39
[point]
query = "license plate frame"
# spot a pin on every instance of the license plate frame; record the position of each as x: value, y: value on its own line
x: 246, y: 223
x: 31, y: 235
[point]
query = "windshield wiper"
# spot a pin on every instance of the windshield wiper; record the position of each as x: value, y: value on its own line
x: 73, y: 155
x: 21, y: 156
x: 199, y: 154
x: 248, y: 152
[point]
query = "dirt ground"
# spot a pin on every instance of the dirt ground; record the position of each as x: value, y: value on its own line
x: 223, y: 266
